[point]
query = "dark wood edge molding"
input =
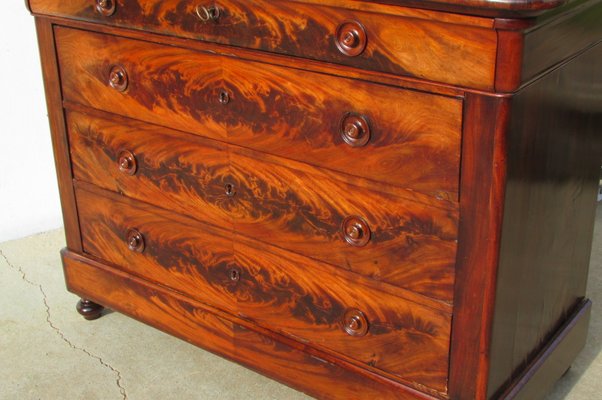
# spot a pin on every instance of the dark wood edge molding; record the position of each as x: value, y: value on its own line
x: 555, y: 359
x: 486, y: 8
x: 60, y: 140
x: 28, y: 6
x: 525, y: 51
x: 336, y: 372
x: 482, y: 188
x: 509, y: 59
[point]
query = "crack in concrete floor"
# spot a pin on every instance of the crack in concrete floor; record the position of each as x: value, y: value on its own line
x: 118, y: 375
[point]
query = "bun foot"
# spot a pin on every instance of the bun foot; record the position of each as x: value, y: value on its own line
x: 88, y: 309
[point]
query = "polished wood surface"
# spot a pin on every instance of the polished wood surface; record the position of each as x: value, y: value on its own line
x: 578, y: 29
x: 411, y: 245
x: 60, y: 141
x: 415, y: 140
x: 526, y: 49
x: 389, y: 198
x: 276, y: 356
x: 551, y: 362
x: 482, y: 200
x: 309, y: 30
x: 553, y: 170
x: 291, y: 294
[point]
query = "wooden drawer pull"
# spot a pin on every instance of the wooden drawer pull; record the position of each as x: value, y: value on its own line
x: 135, y: 241
x: 208, y: 13
x: 355, y: 129
x: 356, y: 231
x: 127, y: 162
x: 355, y: 322
x: 351, y: 38
x: 118, y: 78
x: 106, y: 7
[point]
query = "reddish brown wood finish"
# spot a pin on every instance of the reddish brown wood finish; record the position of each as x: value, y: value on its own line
x: 88, y: 309
x: 279, y: 291
x: 300, y: 209
x: 554, y: 156
x: 283, y: 359
x: 318, y: 204
x: 393, y: 44
x: 526, y: 49
x: 483, y: 179
x: 575, y: 30
x: 60, y: 141
x: 415, y: 140
x: 551, y: 362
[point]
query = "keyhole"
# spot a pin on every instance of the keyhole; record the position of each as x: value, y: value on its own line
x: 224, y: 97
x: 234, y: 275
x: 230, y: 189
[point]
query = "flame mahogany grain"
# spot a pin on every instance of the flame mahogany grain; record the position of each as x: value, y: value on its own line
x: 415, y: 139
x: 224, y: 192
x: 301, y: 209
x: 308, y: 30
x: 286, y: 360
x: 288, y: 293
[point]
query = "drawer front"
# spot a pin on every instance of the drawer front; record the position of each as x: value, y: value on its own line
x: 405, y: 138
x: 279, y: 291
x: 443, y: 52
x: 290, y: 205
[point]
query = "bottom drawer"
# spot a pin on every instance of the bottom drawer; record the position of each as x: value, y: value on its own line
x: 275, y: 356
x: 275, y: 289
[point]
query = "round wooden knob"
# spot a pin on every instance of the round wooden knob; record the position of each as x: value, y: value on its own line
x: 355, y: 129
x: 351, y: 38
x: 355, y: 322
x: 127, y: 162
x: 106, y: 7
x: 356, y: 231
x: 118, y: 78
x: 135, y: 240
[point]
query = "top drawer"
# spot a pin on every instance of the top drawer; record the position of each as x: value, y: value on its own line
x: 433, y: 50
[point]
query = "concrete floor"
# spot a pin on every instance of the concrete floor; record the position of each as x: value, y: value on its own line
x: 47, y: 351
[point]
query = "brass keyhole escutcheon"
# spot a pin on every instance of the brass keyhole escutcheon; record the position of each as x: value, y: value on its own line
x: 208, y: 13
x: 230, y: 189
x: 234, y: 275
x: 356, y: 231
x: 355, y: 129
x: 224, y: 97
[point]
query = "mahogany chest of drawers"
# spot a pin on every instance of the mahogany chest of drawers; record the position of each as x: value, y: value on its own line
x: 361, y: 199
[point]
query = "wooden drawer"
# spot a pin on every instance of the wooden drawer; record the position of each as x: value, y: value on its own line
x: 276, y: 201
x: 417, y: 47
x: 414, y: 138
x: 280, y: 291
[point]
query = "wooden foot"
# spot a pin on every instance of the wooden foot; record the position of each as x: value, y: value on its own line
x: 88, y: 309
